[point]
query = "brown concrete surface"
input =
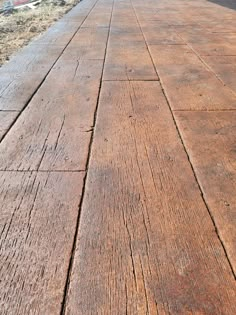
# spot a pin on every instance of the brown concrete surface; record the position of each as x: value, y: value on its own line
x: 117, y: 162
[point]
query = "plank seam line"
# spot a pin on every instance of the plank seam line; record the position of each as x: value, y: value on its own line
x: 201, y: 191
x: 145, y: 42
x: 45, y: 77
x: 72, y: 256
x: 189, y: 160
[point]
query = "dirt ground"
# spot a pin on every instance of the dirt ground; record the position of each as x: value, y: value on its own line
x: 17, y: 29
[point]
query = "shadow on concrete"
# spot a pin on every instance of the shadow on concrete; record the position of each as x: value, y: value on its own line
x: 231, y: 4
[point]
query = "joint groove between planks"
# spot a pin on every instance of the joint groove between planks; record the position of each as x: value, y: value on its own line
x: 204, y: 199
x: 63, y: 305
x: 199, y: 186
x: 185, y: 149
x: 139, y: 234
x: 45, y: 77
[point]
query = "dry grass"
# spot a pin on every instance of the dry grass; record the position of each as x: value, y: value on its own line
x: 18, y: 29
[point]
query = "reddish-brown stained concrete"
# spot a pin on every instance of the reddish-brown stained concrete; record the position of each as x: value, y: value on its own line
x: 117, y: 162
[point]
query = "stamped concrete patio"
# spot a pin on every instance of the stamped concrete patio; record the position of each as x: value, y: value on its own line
x: 118, y: 162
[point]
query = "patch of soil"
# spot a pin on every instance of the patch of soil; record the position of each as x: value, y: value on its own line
x: 17, y: 29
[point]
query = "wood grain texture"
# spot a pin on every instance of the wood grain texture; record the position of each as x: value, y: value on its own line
x: 31, y: 58
x: 194, y: 87
x: 19, y: 90
x: 123, y: 15
x: 127, y: 55
x: 82, y: 9
x: 224, y: 67
x: 6, y: 119
x: 60, y: 33
x: 219, y: 60
x: 20, y: 78
x: 54, y: 131
x: 37, y: 225
x: 201, y: 36
x: 98, y: 20
x: 155, y: 36
x: 225, y: 71
x: 173, y: 55
x: 130, y: 62
x: 100, y: 16
x: 210, y: 141
x: 146, y: 243
x: 215, y: 49
x: 88, y: 43
x: 120, y: 36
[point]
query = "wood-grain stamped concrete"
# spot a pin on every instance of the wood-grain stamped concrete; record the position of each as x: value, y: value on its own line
x: 117, y: 163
